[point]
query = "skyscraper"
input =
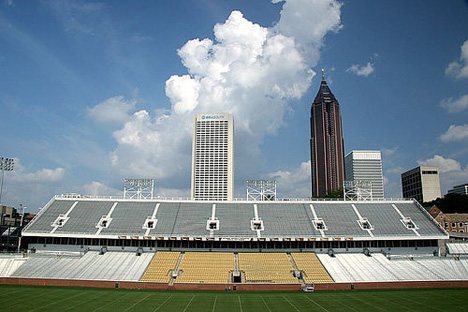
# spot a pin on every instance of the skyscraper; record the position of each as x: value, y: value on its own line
x: 366, y: 166
x: 213, y: 157
x: 326, y: 143
x: 421, y: 183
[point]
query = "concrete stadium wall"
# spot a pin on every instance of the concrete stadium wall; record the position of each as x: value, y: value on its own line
x: 222, y: 287
x: 391, y: 285
x: 239, y: 287
x: 81, y: 283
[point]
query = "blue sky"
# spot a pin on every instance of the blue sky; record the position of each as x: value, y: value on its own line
x: 93, y: 92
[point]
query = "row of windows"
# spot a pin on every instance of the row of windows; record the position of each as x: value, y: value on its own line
x: 211, y: 131
x: 454, y: 224
x: 210, y: 152
x: 319, y: 245
x: 213, y: 142
x: 211, y: 175
x: 429, y: 172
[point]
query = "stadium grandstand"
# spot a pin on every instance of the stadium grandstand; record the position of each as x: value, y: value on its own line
x: 234, y: 243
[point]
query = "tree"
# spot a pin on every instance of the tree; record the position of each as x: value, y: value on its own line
x: 451, y: 203
x: 334, y: 194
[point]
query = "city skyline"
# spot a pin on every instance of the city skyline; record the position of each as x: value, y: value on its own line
x: 95, y: 92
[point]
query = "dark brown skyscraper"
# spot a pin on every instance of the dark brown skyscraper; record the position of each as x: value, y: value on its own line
x: 326, y: 143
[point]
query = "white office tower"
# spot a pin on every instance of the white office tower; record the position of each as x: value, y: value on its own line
x: 421, y: 183
x: 213, y: 157
x: 366, y: 166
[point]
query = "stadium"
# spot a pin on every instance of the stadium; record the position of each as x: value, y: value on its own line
x: 235, y: 245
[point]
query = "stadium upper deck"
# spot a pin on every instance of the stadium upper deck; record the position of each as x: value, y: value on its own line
x: 92, y: 218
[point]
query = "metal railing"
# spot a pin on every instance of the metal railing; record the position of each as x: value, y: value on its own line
x: 155, y: 198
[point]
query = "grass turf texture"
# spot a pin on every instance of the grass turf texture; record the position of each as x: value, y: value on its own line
x: 29, y: 298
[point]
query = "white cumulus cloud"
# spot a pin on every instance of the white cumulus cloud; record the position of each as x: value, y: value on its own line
x: 114, y: 110
x: 173, y: 193
x: 444, y: 164
x: 45, y: 175
x: 361, y: 70
x: 455, y: 105
x: 100, y: 189
x: 250, y: 71
x: 459, y: 69
x: 308, y: 22
x: 455, y: 133
x: 293, y: 183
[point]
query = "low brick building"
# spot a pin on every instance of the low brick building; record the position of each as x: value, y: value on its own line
x: 453, y: 222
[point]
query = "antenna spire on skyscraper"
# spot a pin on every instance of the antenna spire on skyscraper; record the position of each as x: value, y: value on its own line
x: 323, y: 74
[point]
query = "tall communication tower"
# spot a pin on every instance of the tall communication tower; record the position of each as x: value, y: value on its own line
x: 261, y: 190
x: 138, y: 188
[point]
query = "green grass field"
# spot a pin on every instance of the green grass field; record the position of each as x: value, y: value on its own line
x: 28, y: 298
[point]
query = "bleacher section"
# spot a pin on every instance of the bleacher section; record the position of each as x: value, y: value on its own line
x: 421, y: 218
x: 458, y: 248
x: 286, y: 220
x: 266, y: 267
x: 167, y: 217
x: 206, y: 267
x: 119, y: 266
x: 213, y: 267
x: 378, y: 268
x: 314, y: 271
x: 340, y: 219
x: 189, y: 219
x: 160, y: 267
x: 231, y: 219
x: 128, y: 219
x: 9, y: 264
x: 44, y: 219
x: 84, y: 216
x: 384, y: 218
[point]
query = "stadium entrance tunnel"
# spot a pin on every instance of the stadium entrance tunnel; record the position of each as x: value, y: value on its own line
x: 236, y: 277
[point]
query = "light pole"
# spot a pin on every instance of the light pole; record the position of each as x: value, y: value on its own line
x: 20, y: 233
x: 6, y: 164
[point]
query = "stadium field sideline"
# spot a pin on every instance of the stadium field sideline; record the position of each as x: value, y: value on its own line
x: 29, y: 298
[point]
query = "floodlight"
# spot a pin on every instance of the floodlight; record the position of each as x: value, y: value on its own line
x: 6, y: 164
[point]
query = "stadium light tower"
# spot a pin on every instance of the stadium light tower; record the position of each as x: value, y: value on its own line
x: 6, y: 164
x: 138, y: 188
x: 263, y: 190
x: 21, y: 227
